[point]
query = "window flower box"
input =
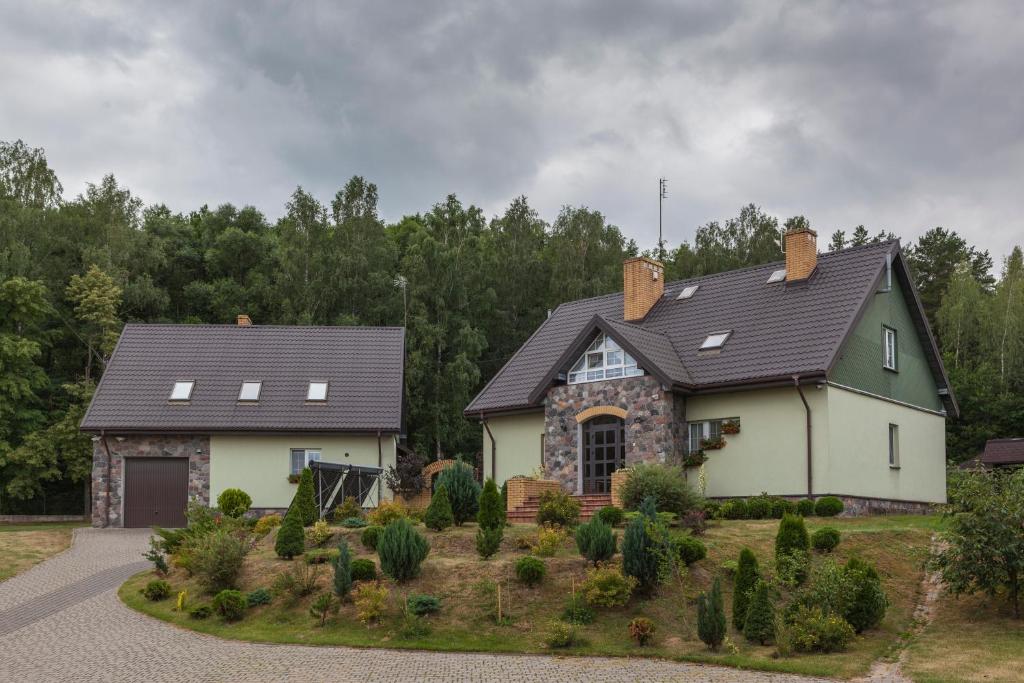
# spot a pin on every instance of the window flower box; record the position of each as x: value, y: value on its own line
x: 731, y: 427
x: 694, y: 459
x: 712, y: 444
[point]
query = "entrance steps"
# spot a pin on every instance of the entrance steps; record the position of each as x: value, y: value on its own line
x: 590, y: 503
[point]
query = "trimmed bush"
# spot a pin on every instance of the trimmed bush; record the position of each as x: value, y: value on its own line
x: 595, y: 540
x: 747, y: 576
x: 868, y: 601
x: 558, y: 507
x: 792, y: 536
x: 759, y: 507
x: 260, y: 596
x: 200, y: 612
x: 811, y: 630
x: 230, y: 604
x: 401, y: 549
x: 421, y: 605
x: 666, y: 483
x: 349, y: 508
x: 305, y: 502
x: 343, y: 570
x: 829, y: 506
x: 805, y: 507
x: 370, y: 536
x: 463, y: 491
x: 488, y: 541
x: 639, y: 554
x: 387, y: 511
x: 734, y: 509
x: 689, y: 549
x: 711, y: 616
x: 641, y: 629
x: 781, y: 506
x: 610, y: 515
x: 234, y: 502
x: 265, y: 524
x: 157, y: 590
x: 492, y: 512
x: 290, y: 539
x: 217, y: 559
x: 530, y: 570
x: 439, y: 513
x: 759, y: 625
x: 825, y: 539
x: 607, y: 587
x: 363, y: 569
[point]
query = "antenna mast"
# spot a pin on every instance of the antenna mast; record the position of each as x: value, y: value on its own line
x: 662, y: 194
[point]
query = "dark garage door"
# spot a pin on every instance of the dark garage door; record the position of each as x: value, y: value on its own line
x: 155, y: 491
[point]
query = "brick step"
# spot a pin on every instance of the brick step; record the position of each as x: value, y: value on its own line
x: 590, y: 503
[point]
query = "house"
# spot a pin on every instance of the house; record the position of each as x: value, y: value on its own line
x: 998, y: 453
x: 185, y: 411
x: 818, y: 375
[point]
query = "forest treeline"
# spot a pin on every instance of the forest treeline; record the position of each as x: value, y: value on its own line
x: 469, y: 288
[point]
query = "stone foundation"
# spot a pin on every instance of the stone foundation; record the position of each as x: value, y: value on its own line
x: 857, y: 506
x: 108, y: 494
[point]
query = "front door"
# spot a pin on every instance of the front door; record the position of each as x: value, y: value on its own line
x: 604, y: 451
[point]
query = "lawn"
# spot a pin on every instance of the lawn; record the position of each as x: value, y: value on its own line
x: 897, y: 545
x: 24, y: 545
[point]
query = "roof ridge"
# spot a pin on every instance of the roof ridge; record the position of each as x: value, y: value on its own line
x: 265, y: 327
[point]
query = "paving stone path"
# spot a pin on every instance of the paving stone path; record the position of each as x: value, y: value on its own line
x: 62, y: 621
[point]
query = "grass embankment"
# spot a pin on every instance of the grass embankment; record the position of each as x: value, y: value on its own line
x: 24, y: 545
x: 898, y: 546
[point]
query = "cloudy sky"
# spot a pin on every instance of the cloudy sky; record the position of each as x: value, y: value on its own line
x: 901, y: 115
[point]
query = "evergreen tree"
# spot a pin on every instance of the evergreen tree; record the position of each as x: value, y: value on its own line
x: 595, y: 540
x: 492, y: 513
x: 343, y: 570
x: 290, y: 537
x: 463, y: 491
x: 639, y: 556
x: 304, y: 502
x: 711, y: 616
x: 747, y: 576
x: 759, y: 624
x: 488, y: 540
x: 439, y: 513
x: 792, y: 536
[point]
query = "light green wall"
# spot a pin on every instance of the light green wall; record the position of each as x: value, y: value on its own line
x: 770, y: 452
x: 518, y: 438
x: 859, y: 443
x: 860, y: 361
x: 259, y: 464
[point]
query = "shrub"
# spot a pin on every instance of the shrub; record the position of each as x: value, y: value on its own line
x: 155, y: 555
x: 266, y: 523
x: 595, y: 540
x: 734, y: 509
x: 829, y: 506
x: 289, y: 542
x: 343, y: 570
x: 639, y: 555
x: 530, y: 570
x: 364, y: 569
x: 781, y: 506
x: 354, y: 522
x: 323, y: 607
x: 747, y: 576
x: 549, y: 540
x: 463, y: 491
x: 868, y: 601
x: 230, y: 604
x: 200, y: 612
x: 401, y: 549
x: 234, y: 502
x: 607, y: 587
x: 666, y: 483
x: 298, y: 582
x: 712, y: 509
x: 711, y: 616
x: 370, y: 536
x: 825, y: 539
x: 811, y: 630
x: 260, y: 596
x: 492, y: 512
x: 420, y: 604
x: 577, y: 611
x: 488, y: 541
x: 304, y: 502
x: 217, y: 559
x: 805, y: 507
x: 560, y: 634
x: 610, y: 515
x: 321, y: 555
x: 558, y: 507
x: 386, y: 512
x: 370, y: 600
x: 319, y: 533
x: 641, y: 629
x: 792, y: 536
x: 695, y: 521
x: 792, y: 569
x: 665, y: 519
x: 759, y: 507
x: 157, y: 590
x: 759, y: 624
x: 349, y: 509
x: 439, y: 513
x: 689, y: 549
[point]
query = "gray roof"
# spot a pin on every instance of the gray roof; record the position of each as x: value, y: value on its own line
x: 363, y: 367
x: 777, y: 330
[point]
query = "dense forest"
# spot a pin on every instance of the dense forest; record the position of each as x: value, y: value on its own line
x: 469, y: 289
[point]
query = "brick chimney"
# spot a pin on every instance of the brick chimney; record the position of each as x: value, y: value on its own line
x: 643, y: 283
x: 801, y: 254
x: 244, y: 320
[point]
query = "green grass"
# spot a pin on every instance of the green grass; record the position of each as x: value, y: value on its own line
x: 24, y: 545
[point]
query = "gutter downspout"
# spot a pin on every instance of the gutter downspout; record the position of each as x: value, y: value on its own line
x: 807, y: 409
x: 106, y: 508
x: 494, y: 445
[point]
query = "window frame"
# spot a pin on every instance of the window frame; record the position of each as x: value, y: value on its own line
x: 306, y: 453
x: 582, y: 371
x: 241, y: 391
x: 777, y: 275
x: 687, y: 292
x: 886, y: 332
x: 724, y: 334
x: 894, y: 446
x: 188, y: 396
x: 707, y: 429
x: 309, y: 390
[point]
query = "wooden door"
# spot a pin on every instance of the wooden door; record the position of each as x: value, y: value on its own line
x: 604, y: 451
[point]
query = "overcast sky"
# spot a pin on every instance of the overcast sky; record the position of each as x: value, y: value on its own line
x: 898, y: 115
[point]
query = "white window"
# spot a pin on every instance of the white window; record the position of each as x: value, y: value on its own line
x: 688, y: 292
x: 301, y: 458
x: 182, y: 390
x: 888, y: 348
x: 715, y: 340
x: 894, y: 446
x: 777, y: 276
x: 250, y: 391
x: 699, y: 431
x: 603, y: 359
x: 317, y: 391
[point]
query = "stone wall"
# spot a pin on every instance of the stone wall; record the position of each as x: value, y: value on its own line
x: 195, y: 447
x: 654, y: 423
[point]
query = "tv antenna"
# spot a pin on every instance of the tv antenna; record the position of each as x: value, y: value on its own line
x: 662, y: 194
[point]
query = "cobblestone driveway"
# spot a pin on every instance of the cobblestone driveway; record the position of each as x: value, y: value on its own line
x: 62, y: 621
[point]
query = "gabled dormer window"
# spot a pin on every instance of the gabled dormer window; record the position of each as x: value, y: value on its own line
x: 603, y: 359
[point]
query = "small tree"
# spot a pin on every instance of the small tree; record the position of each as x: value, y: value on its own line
x: 463, y: 491
x: 747, y: 576
x: 792, y: 536
x: 488, y: 541
x: 343, y: 570
x: 759, y: 624
x: 492, y: 512
x: 234, y: 502
x: 290, y: 537
x: 595, y: 540
x: 305, y: 502
x: 639, y: 554
x: 401, y: 549
x: 711, y: 616
x: 868, y: 602
x: 406, y: 475
x: 439, y: 513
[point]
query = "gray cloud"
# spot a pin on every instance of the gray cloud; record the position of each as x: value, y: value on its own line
x: 896, y: 115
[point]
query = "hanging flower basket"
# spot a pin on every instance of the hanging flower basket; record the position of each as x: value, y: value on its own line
x: 294, y: 478
x: 731, y: 427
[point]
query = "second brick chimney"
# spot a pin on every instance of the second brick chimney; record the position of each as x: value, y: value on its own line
x: 244, y: 320
x: 643, y: 283
x: 801, y: 254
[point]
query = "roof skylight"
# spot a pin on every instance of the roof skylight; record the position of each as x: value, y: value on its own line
x: 777, y: 276
x: 250, y: 391
x: 715, y: 340
x: 688, y: 292
x: 182, y: 390
x: 317, y: 391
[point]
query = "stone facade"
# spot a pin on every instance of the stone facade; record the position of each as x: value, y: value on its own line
x: 654, y: 423
x: 192, y: 446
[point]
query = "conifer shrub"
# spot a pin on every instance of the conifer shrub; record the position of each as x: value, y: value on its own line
x: 439, y: 513
x: 463, y: 491
x: 323, y: 607
x: 734, y: 509
x: 759, y: 624
x: 343, y: 570
x: 492, y: 512
x: 319, y: 533
x: 791, y: 536
x: 829, y: 506
x: 558, y: 507
x: 747, y: 576
x: 641, y: 629
x: 759, y: 507
x: 639, y: 554
x: 530, y: 570
x: 607, y: 587
x: 230, y: 604
x: 488, y: 541
x: 401, y: 550
x: 689, y: 549
x: 234, y: 502
x: 711, y: 616
x: 157, y: 590
x: 421, y: 604
x: 610, y: 515
x: 868, y: 601
x: 805, y: 507
x: 200, y: 612
x: 260, y: 596
x: 363, y: 569
x: 370, y: 536
x: 305, y: 502
x: 595, y: 540
x: 781, y: 506
x: 290, y: 538
x: 354, y: 523
x: 825, y: 539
